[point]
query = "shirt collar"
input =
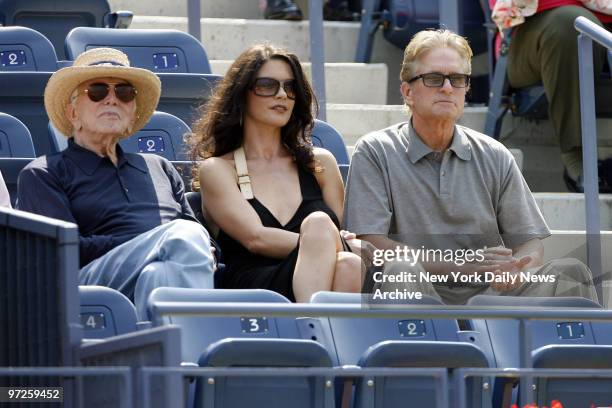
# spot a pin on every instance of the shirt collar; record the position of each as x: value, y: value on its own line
x: 88, y: 161
x: 417, y: 149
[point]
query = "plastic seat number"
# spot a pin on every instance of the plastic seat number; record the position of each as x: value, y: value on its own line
x: 254, y: 324
x: 570, y: 330
x: 12, y: 58
x: 151, y: 144
x: 411, y: 328
x: 93, y: 321
x: 165, y: 61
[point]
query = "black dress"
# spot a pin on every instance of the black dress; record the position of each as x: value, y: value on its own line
x: 245, y: 270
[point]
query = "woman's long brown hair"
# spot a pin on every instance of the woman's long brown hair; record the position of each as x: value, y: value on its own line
x: 219, y: 129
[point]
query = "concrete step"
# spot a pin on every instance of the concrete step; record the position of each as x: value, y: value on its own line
x: 340, y: 80
x: 251, y: 9
x: 566, y: 210
x: 542, y: 165
x: 225, y: 39
x: 214, y: 8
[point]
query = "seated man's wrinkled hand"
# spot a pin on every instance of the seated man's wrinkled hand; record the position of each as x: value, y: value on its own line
x: 514, y: 267
x: 497, y: 254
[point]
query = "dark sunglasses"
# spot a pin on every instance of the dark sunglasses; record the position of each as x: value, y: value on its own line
x: 270, y: 87
x: 99, y: 90
x: 436, y: 80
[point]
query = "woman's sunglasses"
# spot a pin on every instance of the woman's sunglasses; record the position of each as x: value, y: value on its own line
x: 270, y: 87
x: 99, y: 90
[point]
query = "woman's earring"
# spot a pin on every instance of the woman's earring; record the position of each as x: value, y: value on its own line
x: 240, y: 120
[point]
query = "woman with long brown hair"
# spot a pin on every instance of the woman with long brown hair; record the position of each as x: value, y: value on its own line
x: 275, y: 199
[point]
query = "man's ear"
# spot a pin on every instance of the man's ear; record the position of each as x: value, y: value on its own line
x: 72, y: 117
x: 406, y: 91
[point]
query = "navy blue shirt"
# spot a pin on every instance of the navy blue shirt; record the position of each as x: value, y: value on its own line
x: 111, y: 205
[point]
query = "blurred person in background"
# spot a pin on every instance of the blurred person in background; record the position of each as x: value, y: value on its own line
x: 333, y: 10
x: 544, y: 49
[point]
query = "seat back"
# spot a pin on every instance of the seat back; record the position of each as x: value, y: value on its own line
x: 183, y: 94
x: 54, y: 19
x: 105, y: 312
x: 504, y: 333
x: 392, y: 392
x: 24, y: 49
x: 159, y: 50
x: 21, y: 95
x: 15, y: 138
x: 574, y: 392
x: 351, y: 337
x: 280, y: 391
x: 199, y: 331
x: 10, y: 168
x: 27, y: 59
x: 162, y: 135
x: 326, y: 136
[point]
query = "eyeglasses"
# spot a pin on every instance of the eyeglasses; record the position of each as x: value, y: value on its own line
x: 436, y: 80
x: 270, y: 87
x: 99, y: 90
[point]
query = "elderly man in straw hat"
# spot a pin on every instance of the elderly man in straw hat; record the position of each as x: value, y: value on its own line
x: 137, y: 231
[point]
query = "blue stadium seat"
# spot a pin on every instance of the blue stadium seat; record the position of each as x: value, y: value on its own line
x: 394, y: 392
x: 55, y: 19
x: 24, y: 49
x: 27, y: 59
x: 274, y: 391
x: 162, y: 135
x: 15, y: 138
x: 574, y: 392
x: 199, y: 332
x: 10, y: 168
x: 21, y: 95
x: 161, y: 51
x: 183, y: 94
x: 350, y: 338
x: 326, y: 136
x: 105, y: 312
x: 503, y: 334
x: 375, y: 342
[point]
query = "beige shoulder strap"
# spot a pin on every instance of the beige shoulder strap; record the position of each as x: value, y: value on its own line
x: 244, y: 181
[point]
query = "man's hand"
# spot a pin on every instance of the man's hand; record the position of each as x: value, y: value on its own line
x: 514, y: 267
x: 497, y: 254
x: 359, y: 247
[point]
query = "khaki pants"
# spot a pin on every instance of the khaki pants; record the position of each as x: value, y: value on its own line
x: 544, y: 49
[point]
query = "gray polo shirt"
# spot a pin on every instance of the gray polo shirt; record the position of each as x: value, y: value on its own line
x: 469, y: 196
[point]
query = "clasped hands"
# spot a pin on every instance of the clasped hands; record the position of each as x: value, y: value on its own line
x: 498, y: 260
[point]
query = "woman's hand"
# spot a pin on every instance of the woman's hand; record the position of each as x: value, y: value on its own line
x: 364, y: 249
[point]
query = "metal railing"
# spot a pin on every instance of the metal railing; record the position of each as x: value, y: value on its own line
x: 524, y: 315
x: 590, y: 32
x: 74, y: 390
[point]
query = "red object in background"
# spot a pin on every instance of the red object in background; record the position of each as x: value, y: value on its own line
x: 553, y: 404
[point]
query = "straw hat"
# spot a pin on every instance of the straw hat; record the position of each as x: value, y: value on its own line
x: 100, y: 63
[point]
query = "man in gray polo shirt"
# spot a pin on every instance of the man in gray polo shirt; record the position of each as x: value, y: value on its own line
x: 429, y: 184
